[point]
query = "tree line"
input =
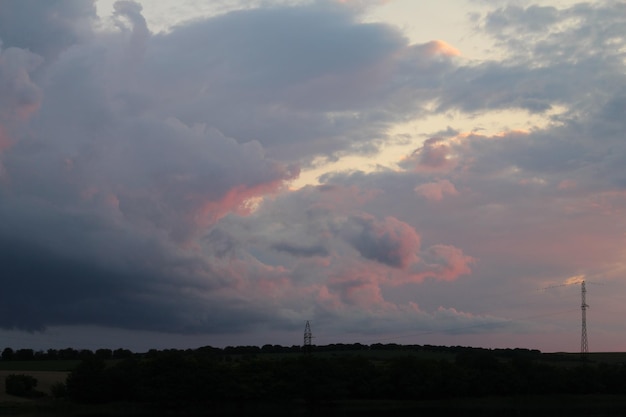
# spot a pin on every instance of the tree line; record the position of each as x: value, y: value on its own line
x: 9, y: 354
x: 274, y: 373
x: 175, y: 378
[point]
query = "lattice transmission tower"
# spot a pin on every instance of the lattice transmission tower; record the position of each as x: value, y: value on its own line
x: 584, y: 345
x: 308, y: 336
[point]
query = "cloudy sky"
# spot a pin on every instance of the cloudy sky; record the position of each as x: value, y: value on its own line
x: 188, y: 173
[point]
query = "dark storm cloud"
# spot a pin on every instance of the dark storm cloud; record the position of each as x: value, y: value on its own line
x: 102, y: 193
x: 43, y: 288
x: 308, y: 80
x: 99, y: 277
x: 45, y: 27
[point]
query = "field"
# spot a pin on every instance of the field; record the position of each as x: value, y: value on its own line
x: 560, y: 358
x: 45, y: 380
x: 47, y: 373
x: 49, y: 365
x: 527, y: 406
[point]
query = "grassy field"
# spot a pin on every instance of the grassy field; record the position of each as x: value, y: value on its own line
x: 50, y: 366
x: 607, y: 357
x: 575, y: 359
x: 532, y: 406
x: 560, y: 359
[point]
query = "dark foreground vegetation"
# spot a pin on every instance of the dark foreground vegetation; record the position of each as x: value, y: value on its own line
x: 340, y: 380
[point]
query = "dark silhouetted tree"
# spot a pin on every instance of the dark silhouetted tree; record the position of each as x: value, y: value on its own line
x: 8, y: 354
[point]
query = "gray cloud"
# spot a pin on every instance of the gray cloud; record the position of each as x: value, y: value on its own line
x: 296, y: 250
x: 390, y: 242
x: 45, y: 28
x: 19, y: 94
x: 544, y: 50
x: 309, y: 80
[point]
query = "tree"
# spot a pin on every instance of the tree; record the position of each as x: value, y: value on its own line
x: 122, y: 353
x: 7, y: 354
x: 52, y: 354
x: 68, y: 353
x: 24, y: 354
x: 87, y: 383
x: 104, y: 353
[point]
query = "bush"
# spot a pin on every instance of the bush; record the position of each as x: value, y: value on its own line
x: 58, y: 390
x: 21, y: 385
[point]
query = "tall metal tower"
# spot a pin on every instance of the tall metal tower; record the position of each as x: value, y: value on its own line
x: 307, y: 337
x: 584, y: 346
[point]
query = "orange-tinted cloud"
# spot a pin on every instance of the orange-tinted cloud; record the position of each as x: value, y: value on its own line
x: 439, y: 47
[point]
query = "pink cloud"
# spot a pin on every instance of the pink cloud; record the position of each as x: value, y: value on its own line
x: 364, y: 256
x: 358, y: 286
x: 328, y: 299
x: 567, y: 185
x: 388, y: 241
x: 435, y: 191
x: 434, y: 155
x: 236, y: 198
x: 443, y: 262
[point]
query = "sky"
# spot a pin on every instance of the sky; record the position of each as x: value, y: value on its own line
x: 175, y: 174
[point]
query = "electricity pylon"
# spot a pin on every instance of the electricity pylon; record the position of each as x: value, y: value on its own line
x: 307, y: 337
x: 584, y: 346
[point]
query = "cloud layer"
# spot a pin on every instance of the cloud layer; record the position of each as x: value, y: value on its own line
x: 144, y: 177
